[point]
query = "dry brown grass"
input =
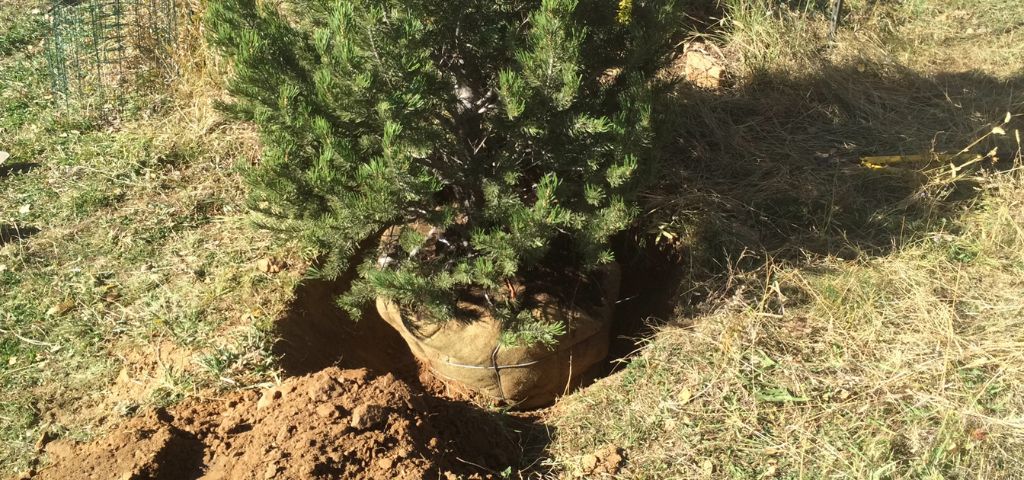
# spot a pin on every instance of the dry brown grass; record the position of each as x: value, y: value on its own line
x: 903, y: 366
x: 140, y: 285
x: 858, y: 323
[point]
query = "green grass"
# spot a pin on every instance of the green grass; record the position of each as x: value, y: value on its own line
x: 139, y: 286
x: 862, y: 323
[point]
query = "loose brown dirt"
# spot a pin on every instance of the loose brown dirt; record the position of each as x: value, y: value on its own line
x: 335, y: 418
x: 334, y: 423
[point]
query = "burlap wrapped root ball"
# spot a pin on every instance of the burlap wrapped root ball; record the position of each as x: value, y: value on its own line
x: 470, y: 351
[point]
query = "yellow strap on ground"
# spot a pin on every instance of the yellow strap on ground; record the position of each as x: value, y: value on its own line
x: 882, y: 161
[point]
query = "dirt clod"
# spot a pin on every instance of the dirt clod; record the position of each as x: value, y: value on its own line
x: 44, y: 438
x: 268, y: 398
x: 297, y: 430
x: 327, y: 410
x: 366, y: 416
x: 702, y: 66
x: 270, y: 265
x: 607, y: 461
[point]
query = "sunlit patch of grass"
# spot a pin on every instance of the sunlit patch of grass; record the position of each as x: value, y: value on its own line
x: 905, y: 366
x: 860, y: 323
x: 141, y: 264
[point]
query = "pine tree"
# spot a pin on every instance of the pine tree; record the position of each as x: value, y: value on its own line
x: 489, y: 136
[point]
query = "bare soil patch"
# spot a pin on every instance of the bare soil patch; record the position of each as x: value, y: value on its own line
x: 314, y: 333
x: 331, y: 424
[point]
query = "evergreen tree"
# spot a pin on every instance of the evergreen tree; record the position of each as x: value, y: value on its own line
x: 489, y: 135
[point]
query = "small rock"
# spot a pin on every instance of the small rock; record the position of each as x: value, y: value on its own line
x: 614, y: 461
x: 270, y: 265
x: 268, y: 398
x: 233, y: 427
x: 44, y: 438
x: 60, y: 308
x: 283, y: 436
x: 367, y: 416
x: 385, y: 463
x: 358, y: 376
x: 59, y: 448
x: 271, y: 471
x: 326, y: 410
x: 317, y: 393
x: 606, y: 461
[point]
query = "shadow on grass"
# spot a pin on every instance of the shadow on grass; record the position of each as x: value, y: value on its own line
x: 777, y: 161
x: 16, y: 169
x: 12, y: 169
x: 13, y: 233
x: 770, y: 171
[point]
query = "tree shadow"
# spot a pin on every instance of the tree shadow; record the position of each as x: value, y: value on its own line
x: 770, y: 171
x: 780, y: 156
x: 181, y: 458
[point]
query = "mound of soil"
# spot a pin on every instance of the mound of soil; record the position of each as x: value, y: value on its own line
x: 331, y: 424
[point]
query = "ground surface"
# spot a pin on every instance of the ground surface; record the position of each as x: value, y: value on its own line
x: 809, y: 316
x: 853, y: 322
x: 331, y: 424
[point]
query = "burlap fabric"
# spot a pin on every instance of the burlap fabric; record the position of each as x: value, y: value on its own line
x: 470, y: 351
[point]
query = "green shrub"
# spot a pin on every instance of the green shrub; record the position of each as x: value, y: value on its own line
x: 495, y: 138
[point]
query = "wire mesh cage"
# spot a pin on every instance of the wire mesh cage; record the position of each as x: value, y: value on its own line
x: 101, y: 51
